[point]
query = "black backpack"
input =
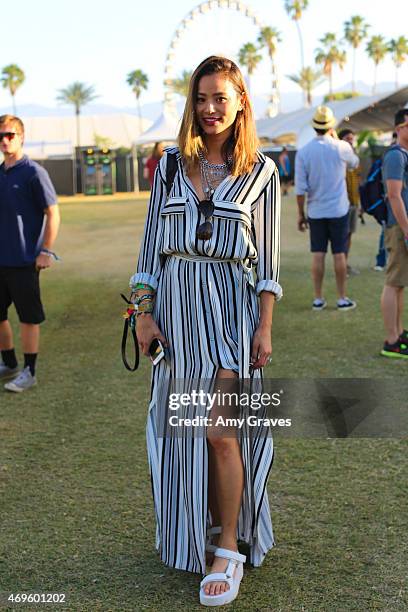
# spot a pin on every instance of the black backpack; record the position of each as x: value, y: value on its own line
x: 372, y: 193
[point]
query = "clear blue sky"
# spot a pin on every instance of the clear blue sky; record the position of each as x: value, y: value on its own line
x: 100, y: 41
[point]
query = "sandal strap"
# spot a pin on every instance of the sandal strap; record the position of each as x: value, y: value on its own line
x: 229, y: 554
x: 210, y: 548
x: 214, y: 531
x: 217, y: 577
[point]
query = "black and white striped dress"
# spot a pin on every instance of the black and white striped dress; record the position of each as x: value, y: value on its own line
x: 207, y: 309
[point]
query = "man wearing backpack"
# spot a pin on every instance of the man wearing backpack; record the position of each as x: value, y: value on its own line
x: 320, y: 172
x: 395, y: 177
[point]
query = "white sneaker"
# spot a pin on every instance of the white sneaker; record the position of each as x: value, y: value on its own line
x: 22, y: 382
x: 346, y: 304
x: 6, y: 372
x: 319, y: 304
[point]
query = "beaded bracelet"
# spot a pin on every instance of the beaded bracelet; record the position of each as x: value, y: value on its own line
x: 137, y: 286
x: 145, y: 308
x: 141, y: 298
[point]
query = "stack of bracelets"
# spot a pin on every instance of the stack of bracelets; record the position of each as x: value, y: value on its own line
x: 144, y: 298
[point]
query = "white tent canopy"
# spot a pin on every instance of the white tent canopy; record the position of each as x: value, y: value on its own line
x: 361, y: 113
x: 119, y: 130
x: 164, y: 129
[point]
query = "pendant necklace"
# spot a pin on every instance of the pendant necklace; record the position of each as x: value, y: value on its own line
x: 212, y: 175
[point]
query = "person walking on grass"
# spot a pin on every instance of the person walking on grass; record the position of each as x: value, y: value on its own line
x: 152, y: 162
x: 320, y: 173
x: 395, y: 177
x: 195, y: 292
x: 29, y: 222
x: 353, y: 178
x: 284, y: 171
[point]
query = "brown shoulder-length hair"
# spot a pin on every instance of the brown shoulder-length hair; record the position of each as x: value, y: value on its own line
x: 242, y: 143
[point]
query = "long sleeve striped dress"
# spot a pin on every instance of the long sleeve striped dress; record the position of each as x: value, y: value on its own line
x: 207, y: 308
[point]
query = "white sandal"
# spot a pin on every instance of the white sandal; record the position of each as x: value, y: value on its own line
x: 232, y: 576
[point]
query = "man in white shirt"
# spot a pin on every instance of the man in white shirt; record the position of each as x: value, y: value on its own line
x: 320, y: 172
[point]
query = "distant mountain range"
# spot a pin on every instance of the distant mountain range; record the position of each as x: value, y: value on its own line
x: 289, y: 101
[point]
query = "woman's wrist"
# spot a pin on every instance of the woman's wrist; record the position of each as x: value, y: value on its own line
x: 265, y: 326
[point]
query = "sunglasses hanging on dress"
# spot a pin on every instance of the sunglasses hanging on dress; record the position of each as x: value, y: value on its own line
x: 212, y: 175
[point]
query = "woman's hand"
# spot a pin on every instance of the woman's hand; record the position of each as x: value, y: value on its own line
x: 147, y: 331
x: 261, y: 347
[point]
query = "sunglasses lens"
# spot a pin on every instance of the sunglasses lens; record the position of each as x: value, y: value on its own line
x: 206, y: 208
x: 205, y: 231
x: 9, y: 135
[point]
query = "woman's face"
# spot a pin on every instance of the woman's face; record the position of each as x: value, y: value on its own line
x: 217, y: 104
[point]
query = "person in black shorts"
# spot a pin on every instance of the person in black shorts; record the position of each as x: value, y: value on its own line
x: 29, y: 223
x: 320, y: 175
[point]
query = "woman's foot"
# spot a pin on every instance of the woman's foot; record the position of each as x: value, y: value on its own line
x: 221, y: 585
x: 219, y: 564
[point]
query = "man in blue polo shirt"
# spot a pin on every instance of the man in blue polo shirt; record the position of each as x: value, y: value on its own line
x: 29, y: 222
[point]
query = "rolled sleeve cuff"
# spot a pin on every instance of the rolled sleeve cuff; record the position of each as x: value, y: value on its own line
x: 300, y: 191
x: 271, y: 286
x: 144, y: 277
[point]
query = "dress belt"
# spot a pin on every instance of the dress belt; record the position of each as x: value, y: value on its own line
x: 203, y: 259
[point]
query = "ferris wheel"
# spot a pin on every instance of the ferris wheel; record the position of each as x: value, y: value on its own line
x: 184, y: 26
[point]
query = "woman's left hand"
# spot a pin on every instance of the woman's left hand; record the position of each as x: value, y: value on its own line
x: 261, y: 347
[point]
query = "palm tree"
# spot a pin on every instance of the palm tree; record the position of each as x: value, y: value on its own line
x: 181, y: 84
x: 377, y: 49
x: 355, y: 31
x: 294, y: 9
x: 249, y: 57
x: 78, y: 94
x: 269, y: 38
x: 399, y: 49
x: 138, y: 81
x: 307, y: 79
x: 329, y: 55
x: 12, y: 77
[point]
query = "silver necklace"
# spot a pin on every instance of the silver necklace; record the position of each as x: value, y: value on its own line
x: 212, y: 175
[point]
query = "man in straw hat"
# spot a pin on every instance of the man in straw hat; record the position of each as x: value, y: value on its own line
x: 320, y: 172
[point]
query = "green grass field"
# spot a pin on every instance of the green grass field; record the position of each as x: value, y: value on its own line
x: 76, y: 507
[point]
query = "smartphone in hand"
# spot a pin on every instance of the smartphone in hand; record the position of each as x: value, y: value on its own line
x: 156, y: 351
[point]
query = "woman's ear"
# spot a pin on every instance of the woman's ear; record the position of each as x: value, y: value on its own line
x: 242, y: 102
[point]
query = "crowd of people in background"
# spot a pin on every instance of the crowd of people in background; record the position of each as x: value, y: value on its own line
x: 327, y: 176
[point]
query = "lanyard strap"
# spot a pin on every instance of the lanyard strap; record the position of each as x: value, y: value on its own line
x: 130, y: 321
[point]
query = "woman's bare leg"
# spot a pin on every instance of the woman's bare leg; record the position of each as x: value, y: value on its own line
x: 226, y: 482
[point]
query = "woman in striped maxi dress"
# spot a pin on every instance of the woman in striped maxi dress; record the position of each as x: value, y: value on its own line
x: 196, y: 268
